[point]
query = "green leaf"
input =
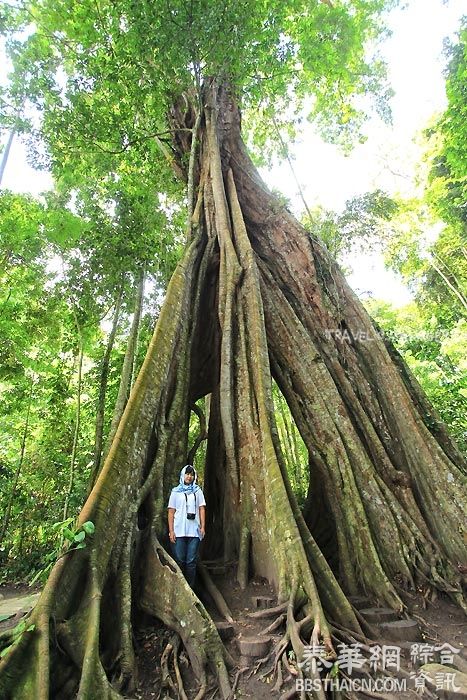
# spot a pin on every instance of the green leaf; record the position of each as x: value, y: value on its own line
x: 334, y: 670
x: 68, y: 534
x: 57, y: 527
x: 36, y: 577
x: 79, y: 537
x: 19, y: 629
x: 81, y: 545
x: 88, y: 527
x: 41, y: 573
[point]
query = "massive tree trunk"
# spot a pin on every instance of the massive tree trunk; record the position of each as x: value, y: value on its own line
x: 254, y: 297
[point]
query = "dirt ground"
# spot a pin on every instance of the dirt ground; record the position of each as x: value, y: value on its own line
x: 440, y: 621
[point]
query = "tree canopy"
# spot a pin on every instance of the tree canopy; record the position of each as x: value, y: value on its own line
x: 105, y: 76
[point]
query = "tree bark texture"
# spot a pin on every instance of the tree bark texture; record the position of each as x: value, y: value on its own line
x: 103, y: 380
x: 254, y: 297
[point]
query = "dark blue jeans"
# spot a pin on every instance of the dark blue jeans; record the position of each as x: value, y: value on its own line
x: 185, y: 551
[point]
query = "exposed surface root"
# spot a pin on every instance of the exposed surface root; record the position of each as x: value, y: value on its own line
x: 215, y: 593
x: 268, y: 612
x: 167, y: 596
x: 278, y: 622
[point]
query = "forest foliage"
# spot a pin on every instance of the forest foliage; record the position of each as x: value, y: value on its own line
x: 73, y: 259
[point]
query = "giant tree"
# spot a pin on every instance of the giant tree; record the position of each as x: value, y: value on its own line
x: 253, y: 297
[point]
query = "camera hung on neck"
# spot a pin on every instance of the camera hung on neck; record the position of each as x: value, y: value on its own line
x: 192, y: 515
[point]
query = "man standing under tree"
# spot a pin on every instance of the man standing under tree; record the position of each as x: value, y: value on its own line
x: 186, y: 519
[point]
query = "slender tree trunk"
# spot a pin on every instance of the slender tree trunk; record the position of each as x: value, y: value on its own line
x: 128, y: 363
x: 103, y: 379
x: 202, y: 435
x: 9, y: 143
x: 6, y: 153
x: 7, y: 515
x: 21, y: 534
x: 449, y: 284
x: 285, y: 442
x: 288, y: 439
x: 293, y: 449
x: 74, y: 448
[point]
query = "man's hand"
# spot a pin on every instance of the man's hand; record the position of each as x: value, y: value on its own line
x: 202, y: 531
x: 172, y: 537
